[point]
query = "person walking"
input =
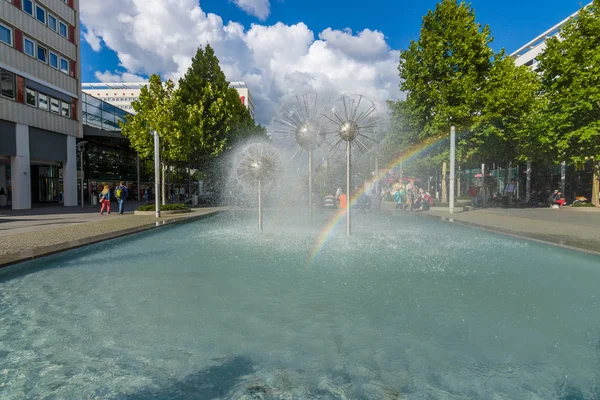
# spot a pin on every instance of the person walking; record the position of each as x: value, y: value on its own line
x: 121, y: 193
x: 105, y: 199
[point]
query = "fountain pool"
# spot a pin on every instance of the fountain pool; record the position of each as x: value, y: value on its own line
x: 406, y: 308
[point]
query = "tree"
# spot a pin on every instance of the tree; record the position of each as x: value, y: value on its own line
x: 159, y: 108
x: 443, y: 72
x: 509, y: 95
x: 570, y: 70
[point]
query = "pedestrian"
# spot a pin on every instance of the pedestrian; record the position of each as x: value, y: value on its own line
x: 105, y: 199
x: 121, y: 193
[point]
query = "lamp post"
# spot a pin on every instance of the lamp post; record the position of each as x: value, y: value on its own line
x: 80, y: 147
x: 157, y: 172
x: 452, y: 166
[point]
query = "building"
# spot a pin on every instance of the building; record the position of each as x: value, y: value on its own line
x: 245, y: 95
x: 40, y: 112
x: 527, y: 54
x: 118, y: 94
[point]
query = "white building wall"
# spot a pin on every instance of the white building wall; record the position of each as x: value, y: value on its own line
x: 70, y: 174
x: 21, y: 170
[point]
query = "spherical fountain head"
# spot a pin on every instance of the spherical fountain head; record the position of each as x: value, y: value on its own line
x: 257, y: 162
x: 349, y: 130
x: 307, y: 135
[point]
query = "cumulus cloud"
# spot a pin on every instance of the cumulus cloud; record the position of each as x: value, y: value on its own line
x: 110, y: 77
x: 258, y: 8
x: 161, y: 36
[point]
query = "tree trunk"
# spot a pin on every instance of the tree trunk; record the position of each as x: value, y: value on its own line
x: 596, y: 185
x: 444, y: 194
x: 163, y: 188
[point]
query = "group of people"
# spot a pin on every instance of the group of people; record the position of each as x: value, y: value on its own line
x: 411, y: 196
x: 120, y: 192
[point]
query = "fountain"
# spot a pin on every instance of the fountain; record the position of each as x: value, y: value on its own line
x: 257, y: 166
x: 353, y: 118
x: 298, y: 125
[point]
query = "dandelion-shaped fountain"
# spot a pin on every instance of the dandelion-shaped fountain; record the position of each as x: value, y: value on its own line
x: 298, y: 125
x: 257, y: 166
x: 353, y: 120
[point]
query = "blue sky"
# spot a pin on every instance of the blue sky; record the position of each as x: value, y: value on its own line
x: 275, y: 56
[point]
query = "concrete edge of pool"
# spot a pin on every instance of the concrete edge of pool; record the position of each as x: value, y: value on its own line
x: 590, y: 247
x: 44, y: 251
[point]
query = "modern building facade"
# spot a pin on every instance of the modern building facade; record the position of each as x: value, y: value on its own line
x: 40, y: 101
x: 527, y: 54
x: 118, y: 94
x: 245, y: 95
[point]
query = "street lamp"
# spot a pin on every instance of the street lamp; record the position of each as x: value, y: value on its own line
x: 156, y: 172
x: 80, y: 147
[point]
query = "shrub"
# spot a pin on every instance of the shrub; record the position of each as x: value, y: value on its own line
x: 583, y: 205
x: 166, y: 207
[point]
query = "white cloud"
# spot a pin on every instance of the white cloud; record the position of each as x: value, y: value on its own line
x: 94, y: 41
x: 161, y: 36
x: 110, y: 77
x: 258, y: 8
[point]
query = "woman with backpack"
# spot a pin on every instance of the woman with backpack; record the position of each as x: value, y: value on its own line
x: 105, y: 199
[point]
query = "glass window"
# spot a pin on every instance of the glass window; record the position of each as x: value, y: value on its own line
x: 42, y: 54
x: 7, y: 84
x: 6, y: 34
x: 28, y: 7
x: 53, y: 60
x: 31, y: 97
x: 54, y: 105
x: 40, y: 14
x: 42, y: 101
x: 52, y: 22
x: 29, y: 47
x: 65, y: 109
x: 63, y: 29
x: 64, y: 65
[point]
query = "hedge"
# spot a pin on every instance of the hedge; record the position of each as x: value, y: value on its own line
x: 165, y: 207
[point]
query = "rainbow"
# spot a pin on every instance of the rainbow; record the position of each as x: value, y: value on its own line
x: 329, y: 228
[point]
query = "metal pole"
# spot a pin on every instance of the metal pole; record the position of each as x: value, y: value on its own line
x: 376, y: 175
x: 483, y: 184
x: 81, y: 162
x: 138, y: 177
x: 157, y: 173
x: 563, y: 177
x: 310, y: 182
x: 260, y: 221
x: 452, y: 166
x: 528, y: 185
x: 348, y: 154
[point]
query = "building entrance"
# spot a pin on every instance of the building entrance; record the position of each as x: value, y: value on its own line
x: 45, y: 186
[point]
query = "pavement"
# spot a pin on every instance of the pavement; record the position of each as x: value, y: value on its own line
x: 29, y: 234
x: 575, y: 228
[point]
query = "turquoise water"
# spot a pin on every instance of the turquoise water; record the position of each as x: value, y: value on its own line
x: 407, y: 308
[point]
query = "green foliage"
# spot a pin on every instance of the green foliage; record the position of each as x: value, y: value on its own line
x: 509, y: 95
x: 159, y: 108
x: 444, y: 71
x: 570, y: 69
x: 583, y: 205
x: 164, y: 207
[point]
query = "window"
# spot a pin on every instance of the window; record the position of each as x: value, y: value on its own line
x: 31, y: 97
x: 7, y: 84
x: 42, y: 101
x: 63, y: 29
x: 52, y: 22
x: 6, y: 34
x: 65, y: 109
x: 28, y: 7
x: 54, y: 105
x: 29, y: 47
x: 40, y: 14
x: 64, y: 65
x: 42, y: 54
x: 54, y: 60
